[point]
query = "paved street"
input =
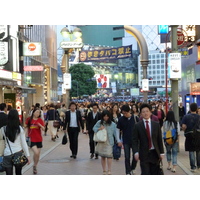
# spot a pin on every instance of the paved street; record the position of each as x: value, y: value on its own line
x: 55, y: 160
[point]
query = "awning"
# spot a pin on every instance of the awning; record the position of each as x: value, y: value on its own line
x: 26, y: 89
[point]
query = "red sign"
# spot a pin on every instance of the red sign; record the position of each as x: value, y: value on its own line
x: 180, y: 38
x: 31, y: 47
x: 33, y: 68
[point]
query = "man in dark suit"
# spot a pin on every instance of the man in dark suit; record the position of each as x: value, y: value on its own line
x: 73, y: 123
x: 147, y: 142
x: 3, y: 115
x: 91, y: 120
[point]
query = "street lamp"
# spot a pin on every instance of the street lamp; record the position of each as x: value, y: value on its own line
x: 75, y: 42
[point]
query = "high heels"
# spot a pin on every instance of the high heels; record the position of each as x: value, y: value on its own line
x: 34, y: 170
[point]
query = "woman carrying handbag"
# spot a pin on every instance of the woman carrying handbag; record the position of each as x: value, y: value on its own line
x: 15, y: 140
x: 105, y: 150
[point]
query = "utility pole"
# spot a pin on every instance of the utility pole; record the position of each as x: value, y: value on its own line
x: 174, y: 83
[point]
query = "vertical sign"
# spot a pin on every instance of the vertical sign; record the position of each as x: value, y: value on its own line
x: 174, y: 65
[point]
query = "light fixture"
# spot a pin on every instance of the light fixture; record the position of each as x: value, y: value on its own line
x: 65, y: 32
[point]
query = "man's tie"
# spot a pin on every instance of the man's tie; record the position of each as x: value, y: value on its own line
x: 148, y: 134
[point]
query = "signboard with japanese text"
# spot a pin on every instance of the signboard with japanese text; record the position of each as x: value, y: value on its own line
x: 163, y: 29
x: 105, y: 54
x: 174, y: 65
x: 191, y: 32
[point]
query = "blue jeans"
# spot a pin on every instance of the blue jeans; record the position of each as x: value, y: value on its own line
x: 128, y: 165
x: 193, y: 160
x: 172, y: 151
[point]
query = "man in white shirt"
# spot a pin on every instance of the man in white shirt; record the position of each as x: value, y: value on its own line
x: 72, y: 125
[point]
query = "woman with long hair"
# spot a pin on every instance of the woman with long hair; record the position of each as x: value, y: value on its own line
x: 15, y: 136
x: 35, y: 127
x: 105, y: 150
x: 172, y: 149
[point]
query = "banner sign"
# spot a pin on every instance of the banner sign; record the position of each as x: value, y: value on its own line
x: 174, y: 65
x: 106, y: 54
x: 33, y: 68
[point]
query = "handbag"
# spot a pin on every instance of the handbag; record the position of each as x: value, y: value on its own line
x: 64, y: 139
x: 18, y: 159
x: 160, y: 169
x: 2, y: 168
x: 100, y: 136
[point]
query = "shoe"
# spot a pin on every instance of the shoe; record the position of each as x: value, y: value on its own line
x: 109, y: 172
x: 132, y: 172
x: 173, y: 170
x: 192, y: 170
x: 74, y: 156
x: 169, y: 168
x: 104, y: 172
x: 91, y: 156
x: 96, y: 157
x: 34, y: 170
x: 57, y: 136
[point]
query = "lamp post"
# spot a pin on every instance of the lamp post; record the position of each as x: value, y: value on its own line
x: 74, y: 42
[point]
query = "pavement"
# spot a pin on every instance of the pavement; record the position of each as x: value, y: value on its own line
x: 55, y: 160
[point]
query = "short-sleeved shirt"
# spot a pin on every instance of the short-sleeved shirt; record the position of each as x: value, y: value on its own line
x: 34, y: 131
x: 190, y: 121
x: 126, y: 125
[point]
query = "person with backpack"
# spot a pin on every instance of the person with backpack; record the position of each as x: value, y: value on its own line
x: 170, y: 132
x: 190, y: 125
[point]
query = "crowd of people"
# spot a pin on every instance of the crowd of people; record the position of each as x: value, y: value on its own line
x: 136, y: 127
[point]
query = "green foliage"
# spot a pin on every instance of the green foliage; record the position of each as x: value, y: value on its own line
x: 82, y: 78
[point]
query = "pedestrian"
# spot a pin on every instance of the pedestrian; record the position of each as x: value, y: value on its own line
x: 159, y: 113
x: 73, y: 124
x: 35, y: 126
x: 125, y: 125
x: 16, y: 140
x: 147, y: 142
x: 198, y: 111
x: 181, y: 112
x: 192, y: 143
x: 135, y: 110
x: 3, y: 115
x: 91, y: 120
x: 172, y: 149
x: 52, y: 115
x: 105, y: 149
x: 45, y: 109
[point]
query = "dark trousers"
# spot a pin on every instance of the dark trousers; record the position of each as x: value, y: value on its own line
x: 92, y: 143
x: 73, y: 140
x: 128, y: 164
x: 18, y: 171
x: 150, y: 166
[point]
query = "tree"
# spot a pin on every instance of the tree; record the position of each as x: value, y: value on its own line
x: 82, y: 82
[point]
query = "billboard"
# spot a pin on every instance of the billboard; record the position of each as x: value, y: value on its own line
x: 102, y: 81
x: 195, y: 88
